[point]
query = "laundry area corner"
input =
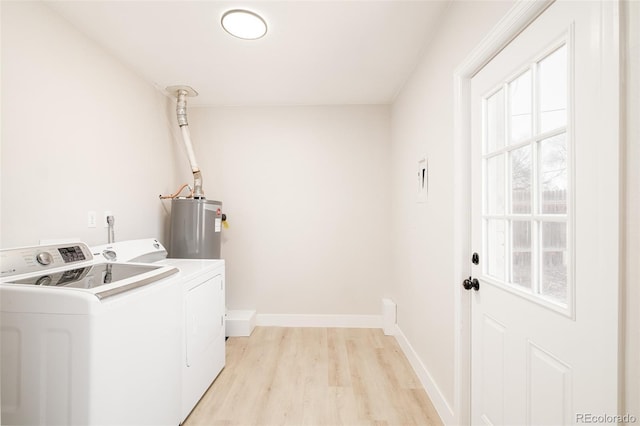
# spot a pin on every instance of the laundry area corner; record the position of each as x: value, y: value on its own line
x: 76, y: 307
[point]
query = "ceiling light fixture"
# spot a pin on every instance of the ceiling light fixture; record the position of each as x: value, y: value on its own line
x: 244, y: 24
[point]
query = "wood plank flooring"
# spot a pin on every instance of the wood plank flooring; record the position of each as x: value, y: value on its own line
x: 315, y: 376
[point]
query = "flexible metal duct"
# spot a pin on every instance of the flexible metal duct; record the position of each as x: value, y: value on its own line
x: 181, y: 93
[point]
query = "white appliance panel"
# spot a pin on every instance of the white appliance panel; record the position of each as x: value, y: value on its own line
x: 203, y: 321
x: 45, y: 369
x: 203, y: 335
x: 144, y: 342
x: 70, y: 356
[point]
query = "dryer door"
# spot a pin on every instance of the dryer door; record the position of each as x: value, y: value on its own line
x: 204, y: 319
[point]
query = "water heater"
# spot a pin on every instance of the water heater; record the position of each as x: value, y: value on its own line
x: 196, y: 228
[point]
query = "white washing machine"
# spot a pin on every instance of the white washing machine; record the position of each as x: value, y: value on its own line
x: 203, y: 324
x: 88, y: 342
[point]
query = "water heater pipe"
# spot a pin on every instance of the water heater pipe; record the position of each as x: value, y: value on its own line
x: 181, y: 110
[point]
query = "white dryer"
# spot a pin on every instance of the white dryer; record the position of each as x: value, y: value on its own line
x: 203, y: 321
x: 87, y: 342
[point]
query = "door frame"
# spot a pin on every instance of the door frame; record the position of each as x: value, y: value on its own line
x: 513, y: 23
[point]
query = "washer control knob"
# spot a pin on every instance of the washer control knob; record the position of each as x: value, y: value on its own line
x: 44, y: 258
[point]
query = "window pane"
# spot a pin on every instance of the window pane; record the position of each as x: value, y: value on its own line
x: 553, y: 176
x: 495, y: 122
x: 554, y: 260
x: 495, y: 185
x: 521, y: 180
x: 521, y: 253
x: 495, y: 237
x: 520, y: 107
x: 553, y: 90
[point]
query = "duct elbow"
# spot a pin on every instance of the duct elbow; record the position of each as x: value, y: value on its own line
x: 197, y: 184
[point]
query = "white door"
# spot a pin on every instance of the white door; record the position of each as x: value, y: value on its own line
x: 545, y: 155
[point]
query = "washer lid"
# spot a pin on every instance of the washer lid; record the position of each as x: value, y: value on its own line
x: 91, y: 276
x: 102, y: 280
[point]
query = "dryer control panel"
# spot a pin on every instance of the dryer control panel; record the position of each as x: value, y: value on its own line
x: 24, y: 260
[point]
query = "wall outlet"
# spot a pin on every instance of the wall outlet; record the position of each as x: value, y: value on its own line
x: 91, y: 219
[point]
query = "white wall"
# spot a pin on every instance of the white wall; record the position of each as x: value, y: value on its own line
x: 422, y: 123
x: 306, y: 190
x: 80, y: 132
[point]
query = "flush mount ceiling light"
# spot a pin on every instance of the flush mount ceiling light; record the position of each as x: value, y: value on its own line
x: 244, y: 24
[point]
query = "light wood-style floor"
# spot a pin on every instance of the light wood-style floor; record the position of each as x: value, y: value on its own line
x: 315, y: 376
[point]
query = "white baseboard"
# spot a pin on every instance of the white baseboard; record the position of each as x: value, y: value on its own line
x: 437, y: 398
x: 334, y: 321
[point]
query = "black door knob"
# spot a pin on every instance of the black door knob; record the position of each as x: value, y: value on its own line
x: 471, y: 283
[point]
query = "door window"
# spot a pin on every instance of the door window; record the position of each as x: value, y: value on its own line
x: 526, y: 181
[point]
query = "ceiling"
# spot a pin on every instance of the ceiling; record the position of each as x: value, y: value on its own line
x: 315, y: 52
